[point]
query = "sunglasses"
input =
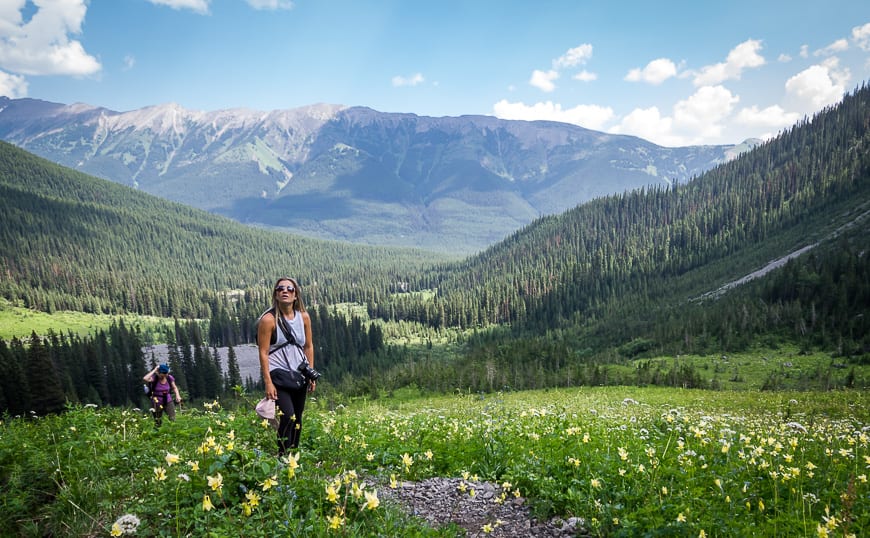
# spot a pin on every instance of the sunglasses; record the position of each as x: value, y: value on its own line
x: 282, y: 288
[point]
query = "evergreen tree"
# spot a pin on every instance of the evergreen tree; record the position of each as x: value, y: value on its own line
x: 234, y: 375
x: 42, y: 374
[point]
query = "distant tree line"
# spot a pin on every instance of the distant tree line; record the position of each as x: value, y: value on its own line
x: 43, y: 374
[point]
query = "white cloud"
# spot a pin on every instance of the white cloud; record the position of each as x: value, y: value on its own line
x: 199, y: 6
x: 13, y: 86
x: 574, y: 57
x: 655, y: 72
x: 743, y: 56
x: 861, y: 36
x: 129, y: 62
x: 702, y: 113
x: 815, y: 87
x: 772, y: 117
x: 837, y: 46
x: 270, y: 4
x: 589, y: 116
x: 413, y: 80
x: 585, y: 76
x: 649, y: 124
x: 805, y: 51
x: 543, y: 80
x: 41, y: 46
x: 699, y: 119
x: 784, y: 58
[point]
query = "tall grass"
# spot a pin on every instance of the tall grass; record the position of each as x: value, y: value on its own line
x: 629, y: 462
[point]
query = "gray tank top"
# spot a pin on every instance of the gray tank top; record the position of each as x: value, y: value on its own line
x: 289, y: 356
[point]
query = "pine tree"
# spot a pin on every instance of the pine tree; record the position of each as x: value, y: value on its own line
x: 234, y: 374
x: 42, y: 374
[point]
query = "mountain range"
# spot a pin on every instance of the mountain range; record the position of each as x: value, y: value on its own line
x: 770, y: 247
x: 449, y: 184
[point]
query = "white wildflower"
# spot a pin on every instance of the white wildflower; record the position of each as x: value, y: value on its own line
x: 128, y: 523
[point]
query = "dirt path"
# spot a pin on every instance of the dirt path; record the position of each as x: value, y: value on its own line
x: 489, y: 511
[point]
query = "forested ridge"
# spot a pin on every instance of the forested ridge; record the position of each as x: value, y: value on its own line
x: 612, y: 280
x: 74, y: 242
x: 815, y: 173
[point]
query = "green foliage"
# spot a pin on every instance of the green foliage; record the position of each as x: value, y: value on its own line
x: 19, y: 322
x: 626, y: 460
x: 212, y: 472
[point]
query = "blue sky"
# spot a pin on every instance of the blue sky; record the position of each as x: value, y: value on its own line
x: 673, y: 72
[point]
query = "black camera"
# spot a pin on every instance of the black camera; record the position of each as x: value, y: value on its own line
x: 309, y: 373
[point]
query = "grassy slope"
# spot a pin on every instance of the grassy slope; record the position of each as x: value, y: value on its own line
x: 625, y: 459
x: 17, y: 322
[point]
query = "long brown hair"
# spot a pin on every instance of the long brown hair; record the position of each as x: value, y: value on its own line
x: 298, y: 304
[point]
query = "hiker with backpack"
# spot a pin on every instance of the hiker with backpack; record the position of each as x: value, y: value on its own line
x: 287, y: 359
x: 161, y: 385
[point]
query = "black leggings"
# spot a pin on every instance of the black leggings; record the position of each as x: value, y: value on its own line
x: 291, y: 403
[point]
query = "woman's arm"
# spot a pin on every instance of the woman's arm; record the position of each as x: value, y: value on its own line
x: 177, y: 394
x: 149, y: 377
x: 264, y: 337
x: 308, y: 348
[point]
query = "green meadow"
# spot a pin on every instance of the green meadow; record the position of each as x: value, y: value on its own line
x: 627, y: 461
x: 18, y: 322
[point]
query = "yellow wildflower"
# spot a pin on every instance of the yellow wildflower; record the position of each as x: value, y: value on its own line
x: 216, y: 482
x: 160, y: 473
x: 268, y: 483
x: 206, y: 503
x: 332, y: 493
x: 116, y: 529
x: 335, y: 521
x: 372, y: 501
x: 171, y: 458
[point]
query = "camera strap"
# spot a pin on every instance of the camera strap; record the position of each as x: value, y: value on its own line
x: 288, y: 335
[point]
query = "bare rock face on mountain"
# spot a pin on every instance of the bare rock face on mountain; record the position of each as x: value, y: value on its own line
x: 456, y: 184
